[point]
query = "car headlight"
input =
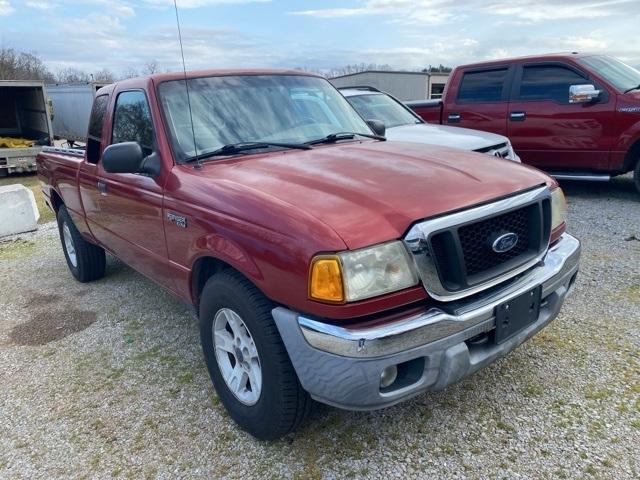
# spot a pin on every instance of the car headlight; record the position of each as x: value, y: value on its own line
x: 360, y: 274
x: 558, y: 208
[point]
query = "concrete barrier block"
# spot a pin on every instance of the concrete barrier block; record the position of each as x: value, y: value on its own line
x: 18, y: 210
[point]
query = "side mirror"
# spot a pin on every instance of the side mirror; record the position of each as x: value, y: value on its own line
x: 583, y: 94
x: 377, y: 126
x: 127, y: 157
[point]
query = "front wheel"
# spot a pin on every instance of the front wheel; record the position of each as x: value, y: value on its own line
x: 247, y: 361
x: 636, y: 176
x: 85, y: 260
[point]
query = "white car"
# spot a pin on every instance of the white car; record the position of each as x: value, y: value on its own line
x: 404, y: 125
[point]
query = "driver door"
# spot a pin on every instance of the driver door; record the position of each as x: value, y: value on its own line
x: 129, y: 219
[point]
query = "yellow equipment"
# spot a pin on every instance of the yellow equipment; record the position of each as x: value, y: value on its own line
x: 9, y: 142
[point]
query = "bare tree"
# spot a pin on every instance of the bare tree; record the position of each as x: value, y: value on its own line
x: 104, y: 75
x: 357, y: 68
x: 16, y: 65
x: 151, y: 67
x: 129, y: 72
x: 72, y: 75
x: 439, y: 69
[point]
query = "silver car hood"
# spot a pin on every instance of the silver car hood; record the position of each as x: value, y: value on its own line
x: 455, y: 137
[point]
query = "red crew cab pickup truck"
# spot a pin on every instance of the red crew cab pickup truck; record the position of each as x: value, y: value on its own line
x: 324, y: 262
x: 575, y: 116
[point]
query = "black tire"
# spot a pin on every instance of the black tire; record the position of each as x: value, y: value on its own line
x: 636, y: 176
x: 283, y: 404
x: 4, y: 172
x: 90, y: 259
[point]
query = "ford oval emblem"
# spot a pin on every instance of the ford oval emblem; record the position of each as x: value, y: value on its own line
x: 505, y: 242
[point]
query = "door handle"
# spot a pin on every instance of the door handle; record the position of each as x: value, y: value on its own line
x: 518, y: 116
x: 102, y: 187
x: 454, y: 118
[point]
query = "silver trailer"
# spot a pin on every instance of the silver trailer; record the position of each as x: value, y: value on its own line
x: 71, y: 105
x: 25, y: 125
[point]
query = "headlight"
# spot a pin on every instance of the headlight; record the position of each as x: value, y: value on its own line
x: 558, y: 208
x: 360, y: 274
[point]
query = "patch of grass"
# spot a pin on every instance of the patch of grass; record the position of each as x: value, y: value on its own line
x: 16, y: 249
x: 631, y: 293
x: 607, y: 463
x: 533, y: 390
x: 505, y: 426
x: 185, y: 377
x: 593, y: 393
x: 591, y: 470
x: 32, y: 183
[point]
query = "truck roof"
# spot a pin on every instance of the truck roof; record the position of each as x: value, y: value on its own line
x: 179, y: 75
x: 546, y: 56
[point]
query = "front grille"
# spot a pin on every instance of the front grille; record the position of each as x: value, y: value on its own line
x: 501, y: 150
x: 464, y: 254
x: 476, y: 240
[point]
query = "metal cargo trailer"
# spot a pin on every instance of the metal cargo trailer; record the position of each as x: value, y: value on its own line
x: 25, y: 125
x: 71, y: 108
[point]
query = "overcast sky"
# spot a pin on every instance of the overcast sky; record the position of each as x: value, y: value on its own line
x: 122, y: 34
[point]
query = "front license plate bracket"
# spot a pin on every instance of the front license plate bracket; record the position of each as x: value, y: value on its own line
x: 516, y: 314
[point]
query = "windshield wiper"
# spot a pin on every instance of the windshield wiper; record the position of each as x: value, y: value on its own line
x: 334, y: 137
x: 234, y: 148
x: 637, y: 87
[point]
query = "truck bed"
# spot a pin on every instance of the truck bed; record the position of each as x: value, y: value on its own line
x: 429, y: 110
x: 58, y: 172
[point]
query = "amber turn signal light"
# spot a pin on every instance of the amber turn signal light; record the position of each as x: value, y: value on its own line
x: 325, y: 283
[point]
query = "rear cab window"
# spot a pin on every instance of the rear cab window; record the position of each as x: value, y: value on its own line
x: 96, y: 122
x: 132, y: 120
x: 548, y: 82
x: 483, y: 86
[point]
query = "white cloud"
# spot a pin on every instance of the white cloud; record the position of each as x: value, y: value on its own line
x: 431, y: 12
x: 198, y: 3
x: 41, y: 5
x: 438, y: 11
x: 6, y: 8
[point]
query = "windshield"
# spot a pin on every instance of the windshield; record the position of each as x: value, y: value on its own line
x: 619, y: 74
x: 253, y: 108
x: 378, y: 106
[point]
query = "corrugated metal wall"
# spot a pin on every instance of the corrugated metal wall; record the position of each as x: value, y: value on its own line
x: 403, y: 86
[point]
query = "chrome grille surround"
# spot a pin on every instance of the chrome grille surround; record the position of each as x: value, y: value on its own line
x: 501, y: 150
x: 418, y: 242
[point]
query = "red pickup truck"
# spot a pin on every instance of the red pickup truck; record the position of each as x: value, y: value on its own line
x: 323, y: 261
x: 575, y: 116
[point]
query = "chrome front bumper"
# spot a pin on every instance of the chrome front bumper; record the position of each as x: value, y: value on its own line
x: 341, y: 366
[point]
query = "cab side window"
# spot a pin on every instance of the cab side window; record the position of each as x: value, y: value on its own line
x: 94, y: 136
x: 132, y: 120
x: 484, y: 86
x: 548, y: 82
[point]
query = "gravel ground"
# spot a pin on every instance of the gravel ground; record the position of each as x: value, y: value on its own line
x: 107, y: 380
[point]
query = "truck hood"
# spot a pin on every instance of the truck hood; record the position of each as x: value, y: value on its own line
x: 371, y: 192
x: 456, y: 137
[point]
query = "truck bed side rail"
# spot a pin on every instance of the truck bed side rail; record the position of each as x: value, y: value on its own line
x: 66, y: 151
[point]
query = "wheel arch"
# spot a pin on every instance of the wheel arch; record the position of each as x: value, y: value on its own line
x: 204, y: 268
x: 632, y: 156
x: 56, y: 201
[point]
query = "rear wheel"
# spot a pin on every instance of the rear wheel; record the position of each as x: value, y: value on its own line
x: 636, y: 176
x: 85, y: 260
x: 247, y: 361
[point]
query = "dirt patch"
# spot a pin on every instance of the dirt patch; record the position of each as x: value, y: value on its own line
x: 45, y: 327
x: 42, y: 300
